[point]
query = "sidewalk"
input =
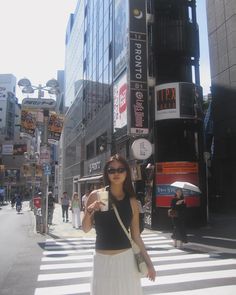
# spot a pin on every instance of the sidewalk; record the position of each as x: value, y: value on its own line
x: 218, y: 236
x: 60, y: 229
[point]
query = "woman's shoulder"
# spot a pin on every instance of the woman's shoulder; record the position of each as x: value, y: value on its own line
x: 134, y: 203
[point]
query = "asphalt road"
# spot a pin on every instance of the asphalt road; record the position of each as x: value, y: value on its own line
x: 20, y: 251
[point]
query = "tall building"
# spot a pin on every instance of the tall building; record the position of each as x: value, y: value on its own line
x: 8, y: 101
x: 12, y: 147
x: 132, y: 87
x: 221, y: 17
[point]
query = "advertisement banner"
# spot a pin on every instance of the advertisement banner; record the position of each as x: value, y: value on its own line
x: 28, y: 122
x: 19, y: 149
x: 121, y: 35
x: 167, y: 101
x: 38, y: 170
x: 169, y: 172
x: 55, y: 126
x: 27, y: 170
x: 138, y: 106
x: 120, y: 102
x: 12, y: 175
x: 178, y: 100
x: 7, y: 149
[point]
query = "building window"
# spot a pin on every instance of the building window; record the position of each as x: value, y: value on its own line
x: 101, y: 143
x: 90, y: 150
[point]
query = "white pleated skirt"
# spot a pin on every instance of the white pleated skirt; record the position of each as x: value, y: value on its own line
x: 115, y: 275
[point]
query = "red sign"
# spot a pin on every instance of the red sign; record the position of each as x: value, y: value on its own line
x: 169, y: 172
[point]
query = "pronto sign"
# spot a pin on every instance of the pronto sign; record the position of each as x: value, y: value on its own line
x: 36, y: 103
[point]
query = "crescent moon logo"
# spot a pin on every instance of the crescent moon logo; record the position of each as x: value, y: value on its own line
x: 137, y: 13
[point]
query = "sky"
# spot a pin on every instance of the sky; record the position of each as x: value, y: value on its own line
x: 33, y: 39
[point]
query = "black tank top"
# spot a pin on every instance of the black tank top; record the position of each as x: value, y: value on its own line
x: 110, y: 235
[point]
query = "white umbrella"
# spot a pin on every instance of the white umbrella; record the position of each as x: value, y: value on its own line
x: 186, y: 185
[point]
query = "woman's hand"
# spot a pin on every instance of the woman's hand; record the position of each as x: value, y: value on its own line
x: 151, y: 273
x: 95, y: 206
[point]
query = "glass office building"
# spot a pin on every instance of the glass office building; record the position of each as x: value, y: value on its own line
x: 123, y: 59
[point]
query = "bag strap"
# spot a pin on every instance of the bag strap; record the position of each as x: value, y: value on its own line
x: 121, y: 223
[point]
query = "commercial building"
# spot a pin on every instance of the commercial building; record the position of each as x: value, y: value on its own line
x: 12, y: 147
x: 221, y: 17
x: 132, y: 87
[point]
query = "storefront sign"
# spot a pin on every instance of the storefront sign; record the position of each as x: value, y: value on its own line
x: 141, y: 148
x: 138, y: 106
x: 42, y: 103
x: 94, y: 166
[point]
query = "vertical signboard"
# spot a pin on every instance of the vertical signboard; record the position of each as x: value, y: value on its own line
x: 138, y: 106
x: 120, y: 102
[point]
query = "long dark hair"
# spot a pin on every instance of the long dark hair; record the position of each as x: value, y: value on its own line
x: 127, y: 185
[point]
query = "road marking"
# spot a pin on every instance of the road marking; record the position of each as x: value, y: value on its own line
x: 70, y: 261
x: 191, y: 277
x: 219, y: 238
x: 227, y: 290
x: 187, y: 265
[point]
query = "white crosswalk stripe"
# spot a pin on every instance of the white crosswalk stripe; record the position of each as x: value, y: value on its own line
x: 66, y: 269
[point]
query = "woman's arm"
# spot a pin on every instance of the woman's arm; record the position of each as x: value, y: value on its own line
x: 92, y: 205
x: 87, y: 222
x: 135, y: 234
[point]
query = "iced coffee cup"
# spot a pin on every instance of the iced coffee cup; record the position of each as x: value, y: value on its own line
x: 103, y: 197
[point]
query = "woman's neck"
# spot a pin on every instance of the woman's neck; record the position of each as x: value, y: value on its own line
x: 117, y: 191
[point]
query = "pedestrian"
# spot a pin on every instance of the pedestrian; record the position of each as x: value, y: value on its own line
x: 141, y: 202
x: 51, y: 207
x: 179, y: 232
x: 114, y: 266
x: 75, y: 208
x: 65, y: 203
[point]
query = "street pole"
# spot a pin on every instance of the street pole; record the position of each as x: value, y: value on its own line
x: 206, y: 158
x: 45, y: 178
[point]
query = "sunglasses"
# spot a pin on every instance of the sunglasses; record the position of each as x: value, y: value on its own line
x: 118, y: 170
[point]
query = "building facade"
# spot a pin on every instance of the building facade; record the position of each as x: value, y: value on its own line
x: 12, y: 146
x: 221, y: 18
x: 132, y: 87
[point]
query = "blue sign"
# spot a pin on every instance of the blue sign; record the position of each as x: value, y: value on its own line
x: 47, y: 169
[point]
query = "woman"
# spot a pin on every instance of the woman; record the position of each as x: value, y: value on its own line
x: 114, y: 270
x: 179, y: 233
x: 75, y: 208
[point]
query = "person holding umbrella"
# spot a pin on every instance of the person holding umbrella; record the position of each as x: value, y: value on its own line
x: 179, y: 232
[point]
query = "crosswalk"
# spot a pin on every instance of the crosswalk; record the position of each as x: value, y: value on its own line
x: 66, y: 269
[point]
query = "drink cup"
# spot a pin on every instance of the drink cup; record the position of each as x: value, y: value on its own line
x: 103, y: 197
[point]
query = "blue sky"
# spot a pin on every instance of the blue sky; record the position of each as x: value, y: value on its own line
x: 204, y: 50
x: 33, y: 34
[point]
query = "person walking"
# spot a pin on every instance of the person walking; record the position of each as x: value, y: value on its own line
x: 65, y: 203
x: 179, y: 232
x: 51, y: 207
x: 114, y: 266
x: 75, y: 207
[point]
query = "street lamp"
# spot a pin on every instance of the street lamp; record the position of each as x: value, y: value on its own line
x: 52, y: 87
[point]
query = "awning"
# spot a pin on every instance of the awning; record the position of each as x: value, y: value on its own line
x: 93, y: 178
